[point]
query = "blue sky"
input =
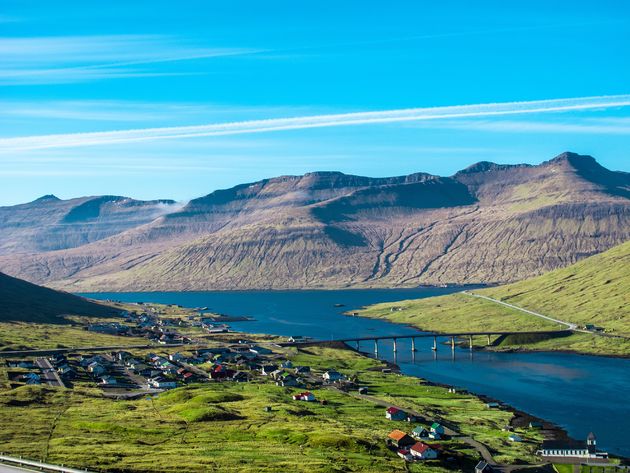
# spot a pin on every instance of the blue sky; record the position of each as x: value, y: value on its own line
x: 75, y: 77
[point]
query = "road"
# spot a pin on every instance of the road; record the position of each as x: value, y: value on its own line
x: 481, y: 448
x: 12, y: 469
x: 569, y: 325
x: 49, y: 374
x: 9, y: 465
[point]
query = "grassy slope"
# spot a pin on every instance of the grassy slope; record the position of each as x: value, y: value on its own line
x: 596, y: 290
x: 24, y: 336
x: 222, y: 426
x: 23, y: 301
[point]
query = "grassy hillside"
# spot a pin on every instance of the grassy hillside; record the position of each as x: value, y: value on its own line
x: 594, y: 291
x: 26, y: 302
x: 224, y: 427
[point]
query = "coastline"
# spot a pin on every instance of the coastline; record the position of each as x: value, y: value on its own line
x: 520, y: 419
x: 565, y: 351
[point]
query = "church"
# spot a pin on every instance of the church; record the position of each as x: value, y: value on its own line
x: 569, y: 450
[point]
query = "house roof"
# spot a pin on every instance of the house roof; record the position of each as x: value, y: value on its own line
x: 397, y: 434
x: 563, y: 444
x: 393, y: 410
x: 419, y: 429
x: 420, y: 447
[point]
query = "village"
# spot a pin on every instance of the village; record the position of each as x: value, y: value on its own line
x: 196, y: 348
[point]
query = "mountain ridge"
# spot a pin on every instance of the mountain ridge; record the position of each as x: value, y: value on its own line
x: 488, y: 223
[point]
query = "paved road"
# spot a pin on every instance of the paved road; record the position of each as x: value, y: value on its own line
x: 481, y: 448
x: 12, y: 469
x: 31, y: 465
x: 570, y: 325
x: 49, y: 374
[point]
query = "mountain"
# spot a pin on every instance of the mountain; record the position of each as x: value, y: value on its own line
x: 23, y: 301
x: 488, y: 223
x: 49, y: 223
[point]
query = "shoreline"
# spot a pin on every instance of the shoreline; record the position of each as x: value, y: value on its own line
x: 521, y: 419
x: 296, y: 289
x: 505, y: 350
x: 562, y: 351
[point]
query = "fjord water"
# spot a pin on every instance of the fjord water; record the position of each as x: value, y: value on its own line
x: 580, y: 393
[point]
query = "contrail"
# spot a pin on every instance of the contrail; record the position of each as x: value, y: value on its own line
x: 317, y: 121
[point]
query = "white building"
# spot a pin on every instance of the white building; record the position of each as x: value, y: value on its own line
x: 569, y: 449
x: 422, y: 451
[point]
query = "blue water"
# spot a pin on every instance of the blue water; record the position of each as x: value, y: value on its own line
x: 579, y: 393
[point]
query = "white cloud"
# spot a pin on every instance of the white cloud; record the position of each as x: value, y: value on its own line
x: 317, y: 121
x: 599, y: 126
x: 69, y: 59
x: 132, y: 111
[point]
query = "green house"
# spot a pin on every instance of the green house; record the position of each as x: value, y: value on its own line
x: 419, y: 433
x: 437, y: 428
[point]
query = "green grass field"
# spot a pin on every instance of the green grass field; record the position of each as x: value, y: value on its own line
x: 593, y: 291
x: 223, y: 426
x: 23, y: 335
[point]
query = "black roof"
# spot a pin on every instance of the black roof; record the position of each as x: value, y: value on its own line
x: 563, y: 444
x: 483, y: 466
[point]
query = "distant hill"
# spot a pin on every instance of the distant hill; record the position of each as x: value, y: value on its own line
x: 489, y: 223
x: 594, y: 291
x: 26, y: 302
x: 49, y: 223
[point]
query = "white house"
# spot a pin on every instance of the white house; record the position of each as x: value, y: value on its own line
x: 422, y: 451
x: 572, y: 450
x: 161, y: 383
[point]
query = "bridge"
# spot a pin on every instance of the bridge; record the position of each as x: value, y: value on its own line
x: 452, y: 336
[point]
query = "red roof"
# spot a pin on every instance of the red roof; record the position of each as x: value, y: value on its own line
x: 393, y: 410
x: 397, y: 434
x: 420, y: 447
